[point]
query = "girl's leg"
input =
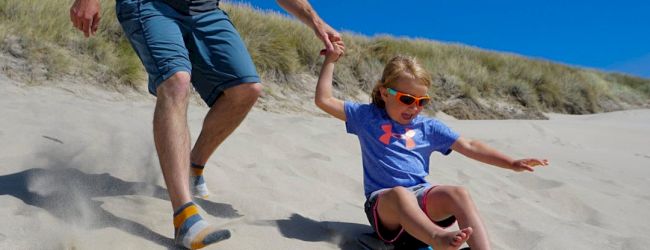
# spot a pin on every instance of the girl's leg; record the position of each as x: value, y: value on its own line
x: 443, y: 201
x: 398, y: 207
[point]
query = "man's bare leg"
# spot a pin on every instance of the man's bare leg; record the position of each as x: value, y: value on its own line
x: 223, y: 118
x: 172, y: 137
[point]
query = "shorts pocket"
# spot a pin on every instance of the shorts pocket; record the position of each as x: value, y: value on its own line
x: 127, y: 9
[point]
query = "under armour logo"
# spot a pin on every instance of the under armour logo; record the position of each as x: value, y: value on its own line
x: 388, y: 133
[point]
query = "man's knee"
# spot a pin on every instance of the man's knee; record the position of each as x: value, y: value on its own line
x: 245, y: 93
x: 176, y: 87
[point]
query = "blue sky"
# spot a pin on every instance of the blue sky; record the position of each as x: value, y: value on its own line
x: 606, y: 35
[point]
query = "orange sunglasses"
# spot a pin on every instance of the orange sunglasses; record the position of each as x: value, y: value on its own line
x: 409, y: 99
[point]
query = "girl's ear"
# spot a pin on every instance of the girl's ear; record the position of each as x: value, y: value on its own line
x: 384, y: 92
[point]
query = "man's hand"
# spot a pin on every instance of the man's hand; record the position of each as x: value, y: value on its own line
x: 85, y: 16
x: 328, y: 35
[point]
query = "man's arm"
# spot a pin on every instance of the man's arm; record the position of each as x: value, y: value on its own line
x: 302, y: 10
x: 85, y: 16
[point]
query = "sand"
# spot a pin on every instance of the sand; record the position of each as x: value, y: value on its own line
x: 78, y: 170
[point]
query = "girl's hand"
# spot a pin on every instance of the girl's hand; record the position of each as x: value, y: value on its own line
x: 336, y: 53
x: 528, y: 164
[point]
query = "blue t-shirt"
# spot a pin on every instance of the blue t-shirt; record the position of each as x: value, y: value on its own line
x: 394, y: 154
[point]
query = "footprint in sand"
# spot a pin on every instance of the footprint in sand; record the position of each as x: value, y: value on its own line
x: 569, y: 205
x: 637, y: 154
x: 611, y: 183
x: 582, y: 165
x: 539, y: 129
x: 634, y: 243
x: 544, y: 134
x: 261, y: 129
x: 319, y: 156
x: 524, y: 236
x: 582, y: 212
x: 251, y: 165
x: 558, y: 141
x: 464, y: 178
x: 297, y: 119
x: 645, y: 197
x: 307, y: 154
x: 535, y: 182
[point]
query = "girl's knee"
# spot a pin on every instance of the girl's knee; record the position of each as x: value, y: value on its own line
x: 452, y: 193
x: 398, y: 193
x: 459, y: 194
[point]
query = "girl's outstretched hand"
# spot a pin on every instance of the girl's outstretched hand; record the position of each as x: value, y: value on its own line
x: 528, y: 164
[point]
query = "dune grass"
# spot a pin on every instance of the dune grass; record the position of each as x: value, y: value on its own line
x: 44, y: 30
x: 469, y: 83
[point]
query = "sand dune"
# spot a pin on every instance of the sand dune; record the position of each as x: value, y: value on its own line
x: 78, y: 170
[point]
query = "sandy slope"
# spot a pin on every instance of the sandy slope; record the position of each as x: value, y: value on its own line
x: 78, y: 170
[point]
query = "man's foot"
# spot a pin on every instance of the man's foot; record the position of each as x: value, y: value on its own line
x: 452, y: 240
x: 191, y: 231
x: 197, y: 182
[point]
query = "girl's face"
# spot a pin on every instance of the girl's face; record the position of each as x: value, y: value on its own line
x: 397, y: 110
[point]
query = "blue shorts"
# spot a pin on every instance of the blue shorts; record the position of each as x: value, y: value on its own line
x: 206, y: 45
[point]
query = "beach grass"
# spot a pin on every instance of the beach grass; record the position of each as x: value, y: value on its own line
x: 469, y: 82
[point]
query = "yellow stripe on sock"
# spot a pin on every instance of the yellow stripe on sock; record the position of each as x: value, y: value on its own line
x: 186, y: 213
x: 197, y: 242
x: 197, y: 171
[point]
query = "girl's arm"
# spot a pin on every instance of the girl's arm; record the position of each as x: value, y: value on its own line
x: 323, y: 98
x: 481, y: 152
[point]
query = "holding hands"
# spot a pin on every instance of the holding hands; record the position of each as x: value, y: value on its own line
x: 335, y: 53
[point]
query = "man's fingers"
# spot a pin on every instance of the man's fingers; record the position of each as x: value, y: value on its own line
x: 328, y: 44
x: 325, y: 38
x: 95, y: 24
x: 72, y: 17
x: 75, y: 18
x: 85, y: 16
x: 334, y: 37
x: 85, y: 27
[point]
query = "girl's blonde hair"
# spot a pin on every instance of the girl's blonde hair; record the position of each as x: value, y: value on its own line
x: 396, y: 67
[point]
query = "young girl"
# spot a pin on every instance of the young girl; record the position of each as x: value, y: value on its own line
x: 396, y: 144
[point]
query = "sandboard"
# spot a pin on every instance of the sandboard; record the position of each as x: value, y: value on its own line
x: 369, y: 241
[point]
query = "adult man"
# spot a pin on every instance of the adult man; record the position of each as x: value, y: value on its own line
x: 183, y: 42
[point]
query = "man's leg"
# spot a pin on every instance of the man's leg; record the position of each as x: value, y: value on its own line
x: 223, y: 118
x: 172, y: 137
